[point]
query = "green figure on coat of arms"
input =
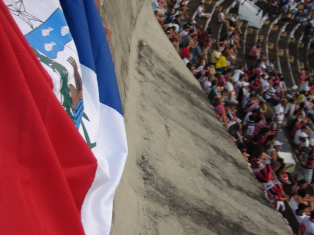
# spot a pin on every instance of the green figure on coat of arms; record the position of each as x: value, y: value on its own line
x: 71, y: 97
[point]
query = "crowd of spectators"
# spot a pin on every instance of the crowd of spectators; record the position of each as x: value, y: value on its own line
x: 253, y: 103
x: 301, y: 11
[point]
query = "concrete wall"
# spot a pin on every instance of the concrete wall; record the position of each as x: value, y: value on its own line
x: 183, y: 174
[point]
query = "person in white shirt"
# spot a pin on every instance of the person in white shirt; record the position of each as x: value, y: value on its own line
x: 265, y: 82
x: 229, y: 93
x: 155, y: 5
x: 201, y: 11
x: 290, y: 107
x: 234, y: 22
x: 271, y: 66
x: 300, y: 212
x: 237, y: 73
x: 307, y: 225
x: 239, y: 84
x: 304, y: 141
x: 177, y: 5
x: 280, y: 110
x: 254, y: 112
x: 270, y: 94
x: 222, y: 19
x: 176, y: 26
x: 296, y: 139
x: 188, y: 58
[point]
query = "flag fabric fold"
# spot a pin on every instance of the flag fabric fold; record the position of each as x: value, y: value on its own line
x: 95, y: 57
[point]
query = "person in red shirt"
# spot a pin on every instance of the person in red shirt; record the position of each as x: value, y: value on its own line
x: 274, y: 126
x: 255, y: 53
x: 222, y: 81
x: 262, y: 124
x: 264, y: 133
x: 185, y: 50
x: 205, y: 37
x: 282, y: 175
x: 264, y: 173
x: 276, y: 195
x: 256, y: 85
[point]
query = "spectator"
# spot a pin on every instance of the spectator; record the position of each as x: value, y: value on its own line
x: 205, y: 83
x: 169, y: 16
x: 220, y: 111
x: 264, y: 133
x: 235, y: 22
x: 296, y: 139
x: 240, y: 83
x: 304, y: 141
x: 184, y: 32
x: 255, y: 53
x: 250, y: 126
x: 280, y: 110
x: 269, y: 143
x: 216, y: 54
x: 182, y: 5
x: 273, y: 151
x: 299, y: 213
x: 186, y: 39
x: 205, y: 37
x: 252, y: 144
x: 175, y: 23
x: 221, y: 64
x: 262, y: 124
x: 307, y: 225
x: 237, y: 73
x: 270, y: 95
x: 276, y: 195
x: 201, y: 11
x: 257, y: 158
x: 222, y: 19
x: 188, y: 58
x: 212, y: 93
x: 159, y: 19
x: 301, y: 197
x: 264, y: 174
x: 307, y: 163
x: 302, y: 184
x: 194, y: 41
x: 185, y: 51
x: 155, y: 5
x: 274, y: 126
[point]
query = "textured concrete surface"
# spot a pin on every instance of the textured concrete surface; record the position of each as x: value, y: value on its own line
x: 183, y: 174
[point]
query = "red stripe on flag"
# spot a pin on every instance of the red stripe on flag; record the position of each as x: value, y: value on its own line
x: 46, y: 168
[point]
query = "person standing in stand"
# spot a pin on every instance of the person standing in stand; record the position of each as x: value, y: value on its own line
x: 306, y: 159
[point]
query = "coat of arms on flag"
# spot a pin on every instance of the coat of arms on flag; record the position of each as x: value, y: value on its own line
x: 52, y: 42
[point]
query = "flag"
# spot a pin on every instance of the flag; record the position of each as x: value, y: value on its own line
x: 95, y: 57
x: 46, y: 168
x: 70, y: 43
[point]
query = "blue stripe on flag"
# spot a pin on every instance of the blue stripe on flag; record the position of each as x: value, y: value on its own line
x: 93, y: 49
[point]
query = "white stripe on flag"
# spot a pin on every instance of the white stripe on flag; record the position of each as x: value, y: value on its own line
x: 111, y: 152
